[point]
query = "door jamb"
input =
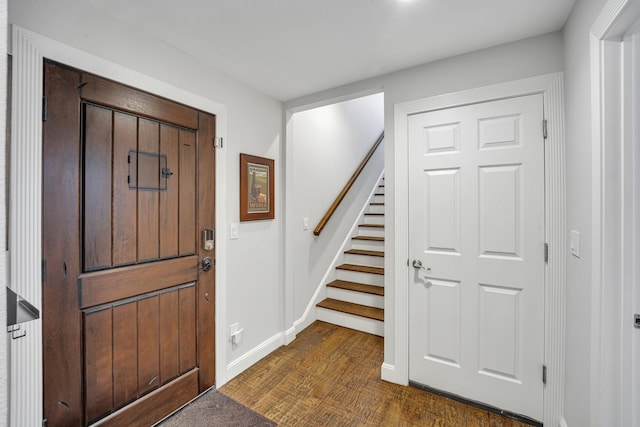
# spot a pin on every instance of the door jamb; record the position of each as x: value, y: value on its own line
x: 28, y: 50
x: 551, y: 86
x: 615, y: 202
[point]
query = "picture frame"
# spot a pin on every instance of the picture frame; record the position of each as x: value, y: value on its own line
x: 256, y: 188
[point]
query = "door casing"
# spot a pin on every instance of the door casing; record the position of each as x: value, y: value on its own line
x: 615, y: 344
x: 28, y: 50
x: 396, y: 365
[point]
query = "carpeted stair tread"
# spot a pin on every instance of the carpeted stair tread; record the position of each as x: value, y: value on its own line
x: 351, y: 308
x: 373, y: 239
x: 364, y: 252
x: 357, y: 287
x: 361, y: 268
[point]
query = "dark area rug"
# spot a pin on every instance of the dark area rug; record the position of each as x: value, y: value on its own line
x: 215, y: 409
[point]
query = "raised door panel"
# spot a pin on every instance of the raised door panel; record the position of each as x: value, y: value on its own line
x: 500, y: 332
x: 443, y: 211
x: 500, y: 210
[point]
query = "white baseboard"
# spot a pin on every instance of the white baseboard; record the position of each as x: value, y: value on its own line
x: 290, y: 335
x: 254, y: 355
x: 388, y: 373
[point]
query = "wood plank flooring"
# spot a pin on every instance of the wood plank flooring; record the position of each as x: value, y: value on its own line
x: 330, y: 376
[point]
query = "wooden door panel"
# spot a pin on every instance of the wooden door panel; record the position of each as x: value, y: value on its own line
x: 103, y: 287
x: 148, y: 344
x: 169, y: 207
x: 148, y: 201
x: 169, y: 330
x: 187, y: 200
x: 97, y: 188
x: 105, y: 92
x: 125, y: 353
x: 125, y: 127
x: 187, y: 317
x: 98, y: 361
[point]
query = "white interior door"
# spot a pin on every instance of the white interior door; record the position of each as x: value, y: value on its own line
x: 476, y: 224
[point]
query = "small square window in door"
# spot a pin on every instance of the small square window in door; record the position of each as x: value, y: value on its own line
x: 148, y: 171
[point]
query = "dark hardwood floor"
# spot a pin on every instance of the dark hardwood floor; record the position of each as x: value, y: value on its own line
x: 330, y: 376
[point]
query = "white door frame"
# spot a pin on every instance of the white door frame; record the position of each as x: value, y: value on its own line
x: 551, y: 86
x: 615, y: 201
x: 29, y: 50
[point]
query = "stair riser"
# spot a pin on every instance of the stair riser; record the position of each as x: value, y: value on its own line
x: 361, y: 298
x: 378, y: 199
x: 374, y: 261
x: 358, y: 323
x: 374, y: 219
x: 371, y: 232
x: 367, y: 245
x: 358, y: 277
x: 376, y: 208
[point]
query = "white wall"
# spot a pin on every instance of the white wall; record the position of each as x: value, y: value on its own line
x: 328, y: 143
x: 525, y: 58
x: 578, y: 379
x: 253, y: 267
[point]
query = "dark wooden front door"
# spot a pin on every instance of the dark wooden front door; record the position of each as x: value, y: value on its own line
x: 128, y: 312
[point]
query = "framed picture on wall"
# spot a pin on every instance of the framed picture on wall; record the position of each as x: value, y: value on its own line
x: 256, y: 188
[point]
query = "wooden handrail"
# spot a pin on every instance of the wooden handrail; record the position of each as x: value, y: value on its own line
x: 334, y: 206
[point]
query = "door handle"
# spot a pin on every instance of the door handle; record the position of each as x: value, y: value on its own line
x: 207, y: 263
x: 417, y: 264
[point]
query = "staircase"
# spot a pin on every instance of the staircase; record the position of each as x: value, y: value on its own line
x: 356, y: 298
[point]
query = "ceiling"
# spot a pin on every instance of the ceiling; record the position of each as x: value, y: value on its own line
x: 291, y: 48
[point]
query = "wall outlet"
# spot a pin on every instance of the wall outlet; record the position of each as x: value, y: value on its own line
x: 235, y: 334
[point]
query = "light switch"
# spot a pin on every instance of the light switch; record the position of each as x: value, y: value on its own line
x: 305, y: 223
x: 233, y: 231
x: 575, y: 244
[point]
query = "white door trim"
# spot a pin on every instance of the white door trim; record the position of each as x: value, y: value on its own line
x: 552, y: 89
x: 28, y: 50
x: 615, y: 201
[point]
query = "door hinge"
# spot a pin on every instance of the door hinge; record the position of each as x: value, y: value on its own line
x: 45, y: 423
x: 218, y: 142
x: 544, y: 374
x: 544, y: 128
x: 546, y: 253
x: 44, y: 270
x: 45, y: 105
